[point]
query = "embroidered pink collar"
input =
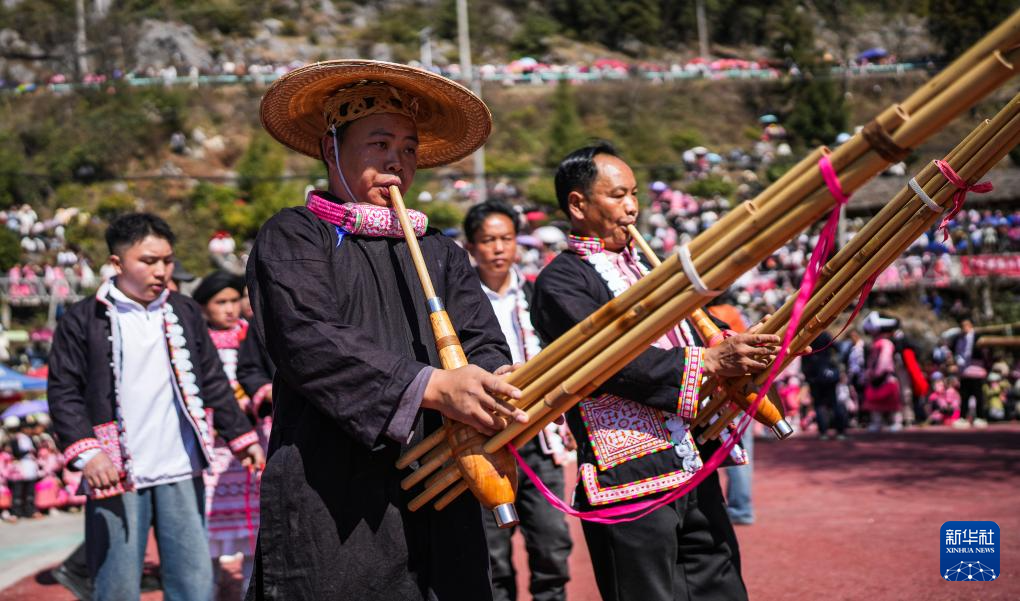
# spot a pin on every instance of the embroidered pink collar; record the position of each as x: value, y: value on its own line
x: 587, y: 246
x: 229, y: 339
x: 584, y: 245
x: 361, y: 219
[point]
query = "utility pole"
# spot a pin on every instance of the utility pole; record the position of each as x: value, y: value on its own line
x: 475, y: 83
x: 80, y: 43
x: 424, y: 37
x: 702, y: 28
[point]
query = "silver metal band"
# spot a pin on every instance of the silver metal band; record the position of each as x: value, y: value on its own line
x: 916, y: 187
x: 692, y: 273
x: 435, y: 304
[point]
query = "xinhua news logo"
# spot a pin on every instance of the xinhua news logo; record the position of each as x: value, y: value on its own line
x: 970, y: 551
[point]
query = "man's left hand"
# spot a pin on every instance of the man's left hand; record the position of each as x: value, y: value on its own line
x: 253, y: 457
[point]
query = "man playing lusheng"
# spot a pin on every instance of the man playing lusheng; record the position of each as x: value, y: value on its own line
x: 132, y: 374
x: 341, y: 312
x: 687, y: 548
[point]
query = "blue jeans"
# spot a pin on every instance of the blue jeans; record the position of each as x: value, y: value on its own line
x: 117, y: 531
x: 738, y: 484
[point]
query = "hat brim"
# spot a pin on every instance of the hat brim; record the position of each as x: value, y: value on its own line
x: 452, y: 122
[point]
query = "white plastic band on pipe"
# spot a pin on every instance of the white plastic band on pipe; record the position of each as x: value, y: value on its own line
x: 692, y: 273
x: 931, y: 204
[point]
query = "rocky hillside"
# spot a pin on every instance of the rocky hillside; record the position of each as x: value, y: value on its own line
x: 37, y: 37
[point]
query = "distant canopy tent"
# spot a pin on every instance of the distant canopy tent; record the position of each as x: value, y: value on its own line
x: 872, y: 54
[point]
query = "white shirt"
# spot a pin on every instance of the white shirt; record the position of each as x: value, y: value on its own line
x: 505, y: 307
x: 163, y: 446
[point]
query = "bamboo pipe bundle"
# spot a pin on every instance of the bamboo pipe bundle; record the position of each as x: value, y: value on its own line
x: 850, y: 269
x: 564, y: 346
x: 885, y: 218
x: 793, y: 207
x: 711, y: 334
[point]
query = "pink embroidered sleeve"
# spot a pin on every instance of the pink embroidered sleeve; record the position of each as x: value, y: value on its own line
x: 690, y: 387
x: 260, y: 395
x: 244, y: 441
x: 79, y: 447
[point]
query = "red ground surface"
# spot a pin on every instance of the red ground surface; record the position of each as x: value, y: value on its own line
x: 854, y: 520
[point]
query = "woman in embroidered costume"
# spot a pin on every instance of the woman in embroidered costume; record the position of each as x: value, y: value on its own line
x: 339, y: 308
x: 231, y: 490
x: 633, y: 434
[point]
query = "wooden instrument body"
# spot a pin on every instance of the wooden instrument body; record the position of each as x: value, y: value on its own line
x: 491, y: 477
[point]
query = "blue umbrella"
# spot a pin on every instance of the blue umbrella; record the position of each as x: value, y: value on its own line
x: 12, y: 381
x: 26, y: 408
x: 872, y: 53
x: 770, y: 118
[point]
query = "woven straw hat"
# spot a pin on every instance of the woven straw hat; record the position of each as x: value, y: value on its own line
x: 452, y: 122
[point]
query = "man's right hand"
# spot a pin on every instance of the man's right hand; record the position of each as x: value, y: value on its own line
x: 741, y: 354
x: 467, y: 394
x: 100, y: 472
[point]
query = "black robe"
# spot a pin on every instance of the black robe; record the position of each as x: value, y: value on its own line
x: 347, y: 328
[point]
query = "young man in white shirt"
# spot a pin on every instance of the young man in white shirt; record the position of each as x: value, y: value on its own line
x: 133, y: 382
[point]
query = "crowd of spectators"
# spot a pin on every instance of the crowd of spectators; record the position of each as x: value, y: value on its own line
x: 33, y: 477
x: 49, y: 268
x: 525, y: 70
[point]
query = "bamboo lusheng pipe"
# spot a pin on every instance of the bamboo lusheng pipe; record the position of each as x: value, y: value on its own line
x: 782, y: 315
x: 492, y: 477
x: 882, y: 251
x: 862, y: 166
x: 854, y: 265
x: 583, y: 331
x: 1006, y: 35
x: 986, y: 72
x: 1000, y: 327
x: 997, y: 341
x: 711, y: 334
x: 851, y: 180
x: 541, y: 418
x: 813, y: 207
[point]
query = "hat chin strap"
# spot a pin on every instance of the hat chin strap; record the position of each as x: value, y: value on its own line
x: 336, y: 161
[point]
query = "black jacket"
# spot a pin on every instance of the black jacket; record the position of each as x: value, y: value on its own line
x: 567, y: 291
x: 81, y: 388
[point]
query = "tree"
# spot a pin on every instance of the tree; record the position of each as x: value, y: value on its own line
x: 566, y: 132
x: 957, y: 25
x: 819, y: 111
x: 10, y: 249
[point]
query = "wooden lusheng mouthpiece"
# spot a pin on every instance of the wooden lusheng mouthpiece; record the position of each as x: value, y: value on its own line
x: 581, y: 360
x: 492, y: 477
